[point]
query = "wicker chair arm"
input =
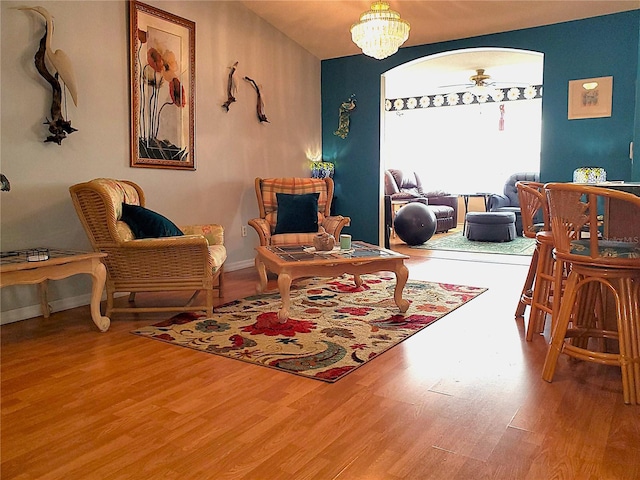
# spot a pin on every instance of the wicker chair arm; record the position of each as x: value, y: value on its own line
x: 166, y: 242
x: 334, y: 224
x: 162, y: 259
x: 214, y: 233
x: 263, y: 229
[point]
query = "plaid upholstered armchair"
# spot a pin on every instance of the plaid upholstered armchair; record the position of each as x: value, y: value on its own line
x: 189, y: 258
x: 293, y: 210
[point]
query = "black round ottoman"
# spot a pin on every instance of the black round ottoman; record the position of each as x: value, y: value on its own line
x: 491, y: 226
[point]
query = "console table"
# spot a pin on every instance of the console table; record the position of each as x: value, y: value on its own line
x: 465, y: 198
x: 395, y: 206
x: 37, y: 266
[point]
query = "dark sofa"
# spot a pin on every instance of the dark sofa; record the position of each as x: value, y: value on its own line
x: 400, y: 185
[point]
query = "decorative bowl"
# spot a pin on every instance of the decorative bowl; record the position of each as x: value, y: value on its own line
x: 323, y: 242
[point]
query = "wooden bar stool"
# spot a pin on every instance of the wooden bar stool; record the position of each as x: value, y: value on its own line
x: 601, y: 296
x: 535, y: 218
x: 545, y: 294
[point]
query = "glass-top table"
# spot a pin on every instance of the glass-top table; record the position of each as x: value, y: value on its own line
x: 289, y: 262
x: 358, y: 250
x: 38, y: 265
x: 465, y: 199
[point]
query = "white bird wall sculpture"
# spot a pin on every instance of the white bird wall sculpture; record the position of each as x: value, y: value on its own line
x: 59, y: 127
x: 58, y: 59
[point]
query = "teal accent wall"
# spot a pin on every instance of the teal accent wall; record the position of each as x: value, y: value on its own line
x: 635, y: 168
x: 595, y: 47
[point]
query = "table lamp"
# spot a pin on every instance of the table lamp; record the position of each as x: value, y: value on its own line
x: 589, y: 175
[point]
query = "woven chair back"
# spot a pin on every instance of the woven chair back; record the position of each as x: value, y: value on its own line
x: 267, y: 188
x: 578, y: 217
x: 98, y: 204
x: 533, y: 207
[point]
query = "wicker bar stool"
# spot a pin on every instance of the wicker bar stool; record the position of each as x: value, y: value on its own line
x: 535, y: 218
x: 545, y: 294
x: 603, y: 284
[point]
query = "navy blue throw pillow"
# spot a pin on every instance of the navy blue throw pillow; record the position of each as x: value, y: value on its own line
x: 297, y: 213
x: 145, y: 223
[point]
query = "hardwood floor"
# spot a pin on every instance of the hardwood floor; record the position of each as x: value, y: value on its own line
x: 463, y: 399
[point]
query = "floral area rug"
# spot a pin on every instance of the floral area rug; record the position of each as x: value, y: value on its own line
x: 458, y: 242
x: 334, y: 326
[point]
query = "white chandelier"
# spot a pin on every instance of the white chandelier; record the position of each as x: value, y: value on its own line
x: 380, y: 31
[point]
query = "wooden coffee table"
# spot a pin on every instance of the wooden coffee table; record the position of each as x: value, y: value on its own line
x: 289, y: 262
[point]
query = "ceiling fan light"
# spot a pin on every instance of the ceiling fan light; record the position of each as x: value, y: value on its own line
x: 483, y: 91
x: 380, y: 31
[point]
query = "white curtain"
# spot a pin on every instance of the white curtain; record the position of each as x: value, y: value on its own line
x: 462, y: 149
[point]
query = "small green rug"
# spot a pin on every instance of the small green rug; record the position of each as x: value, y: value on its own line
x: 457, y: 242
x: 334, y: 326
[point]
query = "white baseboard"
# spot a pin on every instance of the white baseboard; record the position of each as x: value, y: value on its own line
x: 239, y: 265
x: 31, y: 311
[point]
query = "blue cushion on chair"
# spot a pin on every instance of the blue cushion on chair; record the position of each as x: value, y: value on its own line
x: 608, y: 248
x: 145, y: 223
x: 297, y: 213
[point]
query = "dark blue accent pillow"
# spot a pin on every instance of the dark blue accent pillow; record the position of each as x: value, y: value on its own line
x: 145, y: 223
x: 297, y: 213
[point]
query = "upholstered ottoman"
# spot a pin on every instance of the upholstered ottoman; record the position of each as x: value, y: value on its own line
x: 517, y: 212
x: 491, y: 226
x: 444, y: 217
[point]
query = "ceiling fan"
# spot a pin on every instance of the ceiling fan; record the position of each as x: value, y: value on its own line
x: 481, y: 84
x: 480, y: 79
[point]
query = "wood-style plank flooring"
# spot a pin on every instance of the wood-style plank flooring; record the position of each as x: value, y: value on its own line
x: 462, y: 399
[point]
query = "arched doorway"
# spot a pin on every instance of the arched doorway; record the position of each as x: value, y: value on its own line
x: 434, y: 123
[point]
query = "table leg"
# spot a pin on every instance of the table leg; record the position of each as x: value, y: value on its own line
x: 357, y: 280
x: 43, y: 291
x: 98, y: 276
x: 402, y: 274
x: 262, y: 273
x: 465, y: 199
x: 284, y: 286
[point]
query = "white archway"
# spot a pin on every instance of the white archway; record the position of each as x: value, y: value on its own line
x: 462, y: 145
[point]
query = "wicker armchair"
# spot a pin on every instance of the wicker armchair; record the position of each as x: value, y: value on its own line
x: 266, y: 192
x: 190, y: 262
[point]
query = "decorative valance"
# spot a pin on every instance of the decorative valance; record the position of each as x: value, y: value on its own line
x: 463, y: 98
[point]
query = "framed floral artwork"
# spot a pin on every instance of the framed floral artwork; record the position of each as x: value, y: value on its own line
x: 162, y: 70
x: 590, y: 98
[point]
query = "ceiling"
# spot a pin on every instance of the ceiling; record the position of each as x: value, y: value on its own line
x: 322, y: 26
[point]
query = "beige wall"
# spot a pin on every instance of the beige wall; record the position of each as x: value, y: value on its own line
x: 231, y: 148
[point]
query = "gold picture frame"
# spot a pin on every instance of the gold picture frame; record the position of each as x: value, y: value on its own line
x: 162, y: 75
x: 590, y: 98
